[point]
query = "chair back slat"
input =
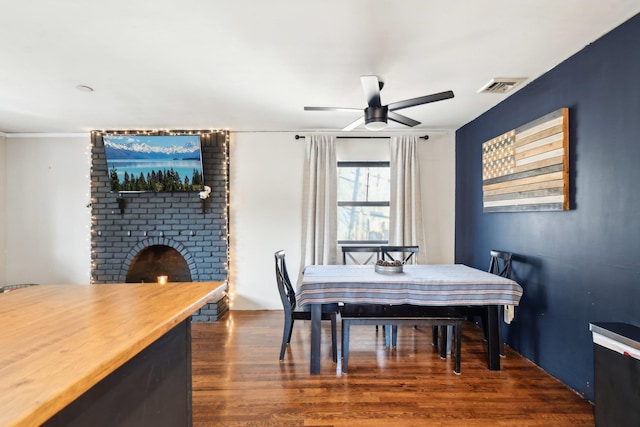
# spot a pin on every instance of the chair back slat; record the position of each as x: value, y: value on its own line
x: 500, y: 263
x: 405, y: 254
x: 360, y: 255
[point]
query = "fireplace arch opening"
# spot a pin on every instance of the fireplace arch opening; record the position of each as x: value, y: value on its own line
x: 158, y: 260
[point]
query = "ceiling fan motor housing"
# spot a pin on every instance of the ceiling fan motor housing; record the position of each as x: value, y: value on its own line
x: 375, y: 114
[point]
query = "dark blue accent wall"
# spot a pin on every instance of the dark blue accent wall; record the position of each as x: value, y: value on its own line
x: 577, y: 266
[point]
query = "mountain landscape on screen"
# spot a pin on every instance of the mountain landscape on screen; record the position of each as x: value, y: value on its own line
x: 139, y: 148
x: 154, y: 162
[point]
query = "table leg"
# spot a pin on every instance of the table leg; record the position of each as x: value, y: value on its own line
x: 443, y: 340
x: 493, y: 338
x: 345, y: 344
x: 387, y: 336
x: 316, y: 318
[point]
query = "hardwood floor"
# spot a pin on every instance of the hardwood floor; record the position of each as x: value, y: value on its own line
x: 239, y: 381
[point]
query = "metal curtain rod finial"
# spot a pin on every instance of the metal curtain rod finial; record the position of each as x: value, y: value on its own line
x: 425, y: 137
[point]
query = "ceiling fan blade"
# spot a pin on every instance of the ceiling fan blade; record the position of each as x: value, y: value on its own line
x: 371, y: 86
x: 359, y: 110
x: 355, y: 124
x: 402, y: 119
x: 421, y: 100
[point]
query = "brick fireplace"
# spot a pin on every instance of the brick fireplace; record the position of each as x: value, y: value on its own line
x: 136, y: 237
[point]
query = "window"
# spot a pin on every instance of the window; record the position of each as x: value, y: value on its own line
x: 363, y: 202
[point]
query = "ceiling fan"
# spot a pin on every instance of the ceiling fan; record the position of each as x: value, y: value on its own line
x: 376, y: 115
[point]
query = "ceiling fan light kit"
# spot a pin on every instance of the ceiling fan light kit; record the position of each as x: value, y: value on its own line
x: 375, y: 118
x: 376, y: 115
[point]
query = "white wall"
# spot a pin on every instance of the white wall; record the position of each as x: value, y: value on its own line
x: 265, y: 214
x: 266, y: 205
x: 438, y: 175
x: 3, y: 210
x: 48, y: 221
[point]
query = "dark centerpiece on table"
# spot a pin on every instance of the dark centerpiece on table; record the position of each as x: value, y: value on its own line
x: 388, y: 267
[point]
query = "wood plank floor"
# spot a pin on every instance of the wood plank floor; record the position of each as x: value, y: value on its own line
x: 239, y: 381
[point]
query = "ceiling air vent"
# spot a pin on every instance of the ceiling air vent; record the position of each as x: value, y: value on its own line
x: 501, y: 84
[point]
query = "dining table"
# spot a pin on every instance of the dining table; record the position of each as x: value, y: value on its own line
x: 438, y: 285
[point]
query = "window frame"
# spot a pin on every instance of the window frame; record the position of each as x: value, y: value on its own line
x: 368, y: 164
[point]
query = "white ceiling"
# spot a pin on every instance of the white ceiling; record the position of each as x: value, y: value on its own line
x: 249, y: 65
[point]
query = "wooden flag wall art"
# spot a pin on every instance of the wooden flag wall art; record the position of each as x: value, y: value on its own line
x: 527, y: 169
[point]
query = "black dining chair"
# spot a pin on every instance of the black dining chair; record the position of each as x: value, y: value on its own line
x: 292, y: 312
x: 360, y: 255
x: 499, y: 264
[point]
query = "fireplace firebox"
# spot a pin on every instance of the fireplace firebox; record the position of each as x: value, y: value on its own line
x: 158, y: 260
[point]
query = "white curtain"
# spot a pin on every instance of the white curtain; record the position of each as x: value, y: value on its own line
x: 405, y: 223
x: 319, y: 220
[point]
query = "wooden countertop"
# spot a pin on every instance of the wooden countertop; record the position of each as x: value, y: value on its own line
x: 57, y: 341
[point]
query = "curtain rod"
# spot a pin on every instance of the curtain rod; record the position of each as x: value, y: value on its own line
x: 363, y: 137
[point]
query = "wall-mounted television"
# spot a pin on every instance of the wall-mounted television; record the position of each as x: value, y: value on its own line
x: 154, y: 162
